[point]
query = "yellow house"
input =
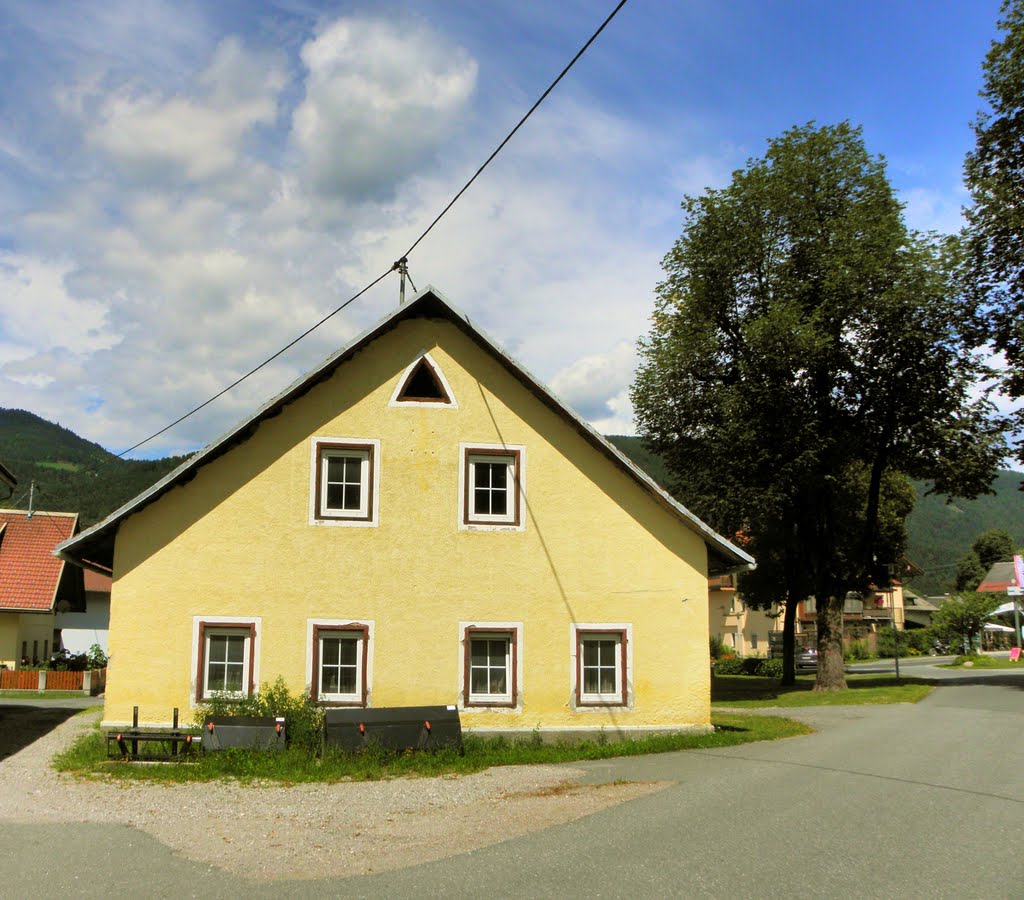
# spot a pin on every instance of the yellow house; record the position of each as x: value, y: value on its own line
x: 742, y: 629
x: 416, y: 521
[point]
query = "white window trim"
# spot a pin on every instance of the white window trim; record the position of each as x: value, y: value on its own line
x: 574, y: 630
x: 373, y: 446
x: 312, y: 676
x: 465, y: 449
x: 424, y: 404
x: 484, y: 628
x: 254, y: 622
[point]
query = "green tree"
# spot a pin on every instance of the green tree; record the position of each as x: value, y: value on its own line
x: 960, y: 619
x: 995, y: 177
x: 969, y: 571
x: 805, y: 345
x: 992, y: 546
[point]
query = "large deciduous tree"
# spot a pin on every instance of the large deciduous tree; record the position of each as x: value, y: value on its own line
x: 804, y: 347
x: 995, y: 176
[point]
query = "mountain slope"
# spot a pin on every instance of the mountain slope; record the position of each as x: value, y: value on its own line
x: 940, y: 532
x: 70, y: 473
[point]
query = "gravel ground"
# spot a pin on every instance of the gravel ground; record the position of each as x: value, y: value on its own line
x: 308, y: 831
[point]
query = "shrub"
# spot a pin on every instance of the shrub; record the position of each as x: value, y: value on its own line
x: 769, y: 668
x: 729, y: 665
x: 857, y: 650
x: 887, y: 643
x: 304, y: 720
x: 97, y: 659
x: 717, y: 646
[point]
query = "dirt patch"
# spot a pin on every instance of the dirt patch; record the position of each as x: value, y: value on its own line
x: 309, y: 831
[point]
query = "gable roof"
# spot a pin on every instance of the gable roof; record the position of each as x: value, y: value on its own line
x: 999, y: 578
x: 29, y: 573
x: 95, y: 547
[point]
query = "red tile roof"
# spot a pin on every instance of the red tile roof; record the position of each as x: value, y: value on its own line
x: 29, y: 572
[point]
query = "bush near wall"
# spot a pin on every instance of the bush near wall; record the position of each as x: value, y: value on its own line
x: 753, y: 665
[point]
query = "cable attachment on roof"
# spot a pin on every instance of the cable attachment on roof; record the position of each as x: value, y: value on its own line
x: 402, y: 267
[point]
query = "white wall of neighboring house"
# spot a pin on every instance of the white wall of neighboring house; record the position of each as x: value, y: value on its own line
x: 80, y: 630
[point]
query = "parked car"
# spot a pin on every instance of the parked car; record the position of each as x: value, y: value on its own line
x: 807, y: 658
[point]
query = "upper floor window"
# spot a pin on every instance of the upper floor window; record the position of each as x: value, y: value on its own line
x: 423, y: 384
x: 345, y: 479
x: 492, y: 482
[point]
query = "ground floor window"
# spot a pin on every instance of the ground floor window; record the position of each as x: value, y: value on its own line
x: 340, y: 663
x: 225, y: 659
x: 602, y: 671
x: 490, y: 671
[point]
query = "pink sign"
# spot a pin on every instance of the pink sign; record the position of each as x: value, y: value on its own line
x: 1015, y: 654
x: 1018, y: 568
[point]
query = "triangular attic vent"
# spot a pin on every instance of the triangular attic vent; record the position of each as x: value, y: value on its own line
x: 423, y: 383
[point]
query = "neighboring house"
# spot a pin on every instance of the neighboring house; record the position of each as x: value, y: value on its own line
x: 32, y: 582
x: 867, y: 613
x: 416, y: 521
x: 999, y: 578
x: 918, y: 610
x: 78, y: 631
x: 740, y: 628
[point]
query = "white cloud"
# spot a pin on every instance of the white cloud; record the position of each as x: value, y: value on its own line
x: 379, y: 101
x: 928, y: 209
x: 195, y: 137
x: 597, y: 387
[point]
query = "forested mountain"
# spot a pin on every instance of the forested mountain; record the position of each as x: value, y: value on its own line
x: 70, y: 473
x: 940, y: 532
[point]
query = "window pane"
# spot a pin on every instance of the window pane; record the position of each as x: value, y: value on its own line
x: 218, y: 648
x: 233, y: 678
x: 347, y: 680
x: 352, y: 494
x: 498, y: 681
x: 607, y: 653
x: 482, y: 501
x: 478, y: 653
x: 591, y: 653
x: 329, y: 650
x: 329, y: 681
x: 591, y: 682
x: 236, y: 649
x: 347, y: 651
x: 499, y: 504
x: 499, y: 475
x: 352, y: 466
x: 335, y: 468
x: 478, y: 682
x: 607, y: 681
x: 335, y: 496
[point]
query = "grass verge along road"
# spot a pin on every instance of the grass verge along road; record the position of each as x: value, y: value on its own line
x: 746, y: 692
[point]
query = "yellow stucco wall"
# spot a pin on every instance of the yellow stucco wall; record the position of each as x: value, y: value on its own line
x: 32, y: 628
x: 237, y: 541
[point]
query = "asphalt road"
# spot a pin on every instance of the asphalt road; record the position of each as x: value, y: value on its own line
x: 882, y: 801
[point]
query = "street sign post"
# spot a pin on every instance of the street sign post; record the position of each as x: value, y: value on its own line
x: 1018, y: 571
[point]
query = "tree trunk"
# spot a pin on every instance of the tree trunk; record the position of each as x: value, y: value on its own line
x: 789, y: 640
x: 831, y: 671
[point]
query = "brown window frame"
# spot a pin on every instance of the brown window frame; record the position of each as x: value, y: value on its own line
x: 517, y: 461
x: 623, y: 696
x: 314, y: 684
x: 241, y: 627
x: 482, y: 631
x: 330, y: 446
x: 423, y: 363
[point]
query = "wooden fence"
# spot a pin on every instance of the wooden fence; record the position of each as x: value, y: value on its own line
x: 52, y: 680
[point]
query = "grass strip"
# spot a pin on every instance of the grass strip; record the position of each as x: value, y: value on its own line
x: 745, y: 692
x: 88, y: 756
x: 41, y: 695
x: 984, y: 662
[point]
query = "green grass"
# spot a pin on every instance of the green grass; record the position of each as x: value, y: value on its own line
x: 87, y: 756
x: 60, y: 466
x: 39, y: 695
x: 754, y: 693
x: 984, y: 662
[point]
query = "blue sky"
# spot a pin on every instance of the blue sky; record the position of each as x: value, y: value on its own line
x: 185, y: 187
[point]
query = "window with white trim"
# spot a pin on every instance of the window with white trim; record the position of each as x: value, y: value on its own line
x: 344, y: 483
x: 225, y: 664
x: 490, y: 667
x: 340, y: 664
x: 492, y: 479
x: 601, y: 664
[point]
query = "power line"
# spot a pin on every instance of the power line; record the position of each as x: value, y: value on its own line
x: 408, y: 252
